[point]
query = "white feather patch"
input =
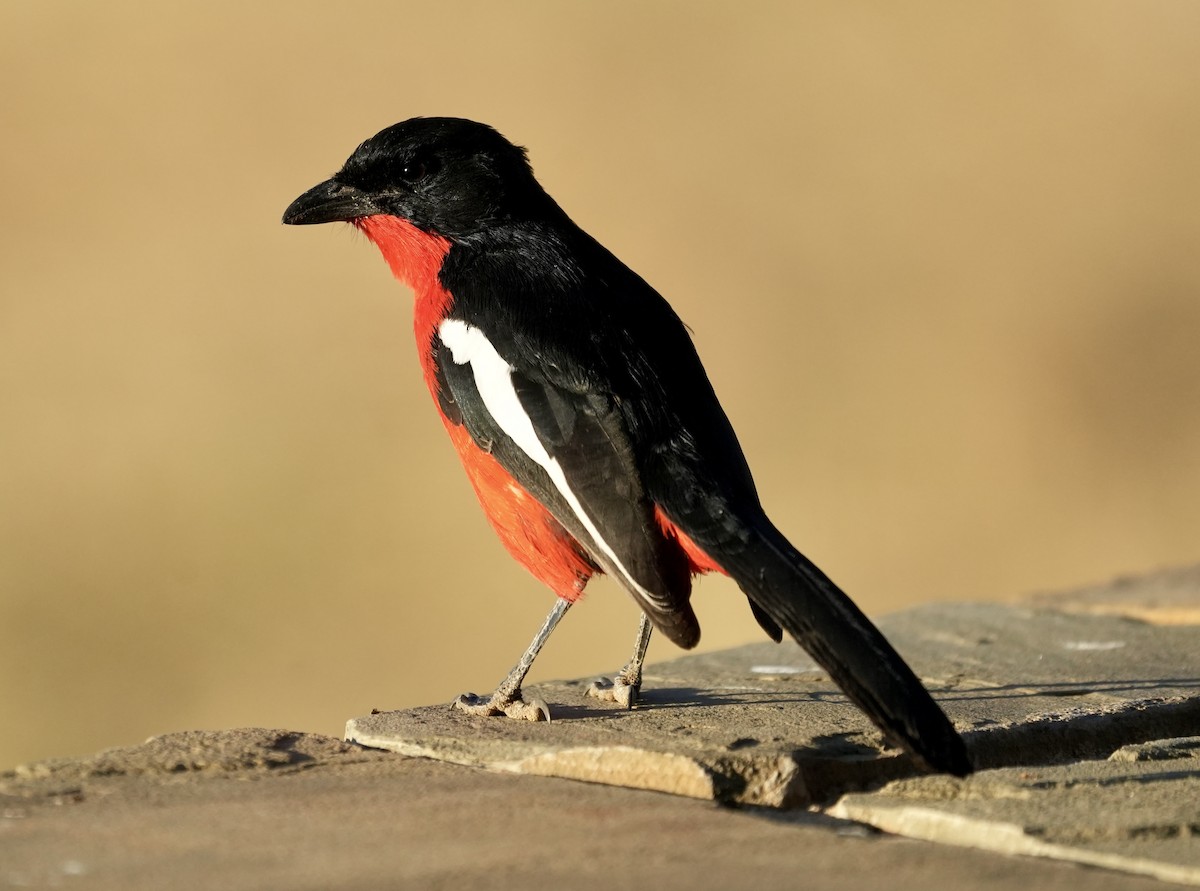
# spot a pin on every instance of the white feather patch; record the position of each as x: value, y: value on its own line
x: 468, y: 345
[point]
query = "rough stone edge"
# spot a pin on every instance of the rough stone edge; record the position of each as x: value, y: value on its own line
x: 623, y: 766
x: 928, y: 824
x: 800, y: 778
x: 786, y: 780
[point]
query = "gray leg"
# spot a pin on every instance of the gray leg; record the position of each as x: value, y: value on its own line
x: 507, y: 698
x: 625, y: 687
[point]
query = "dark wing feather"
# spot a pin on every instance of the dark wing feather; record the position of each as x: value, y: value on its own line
x: 586, y: 436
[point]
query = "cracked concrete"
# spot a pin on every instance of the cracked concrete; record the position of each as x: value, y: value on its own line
x: 222, y: 809
x: 1137, y: 811
x: 762, y: 725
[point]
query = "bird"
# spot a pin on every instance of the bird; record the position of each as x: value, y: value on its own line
x: 586, y: 423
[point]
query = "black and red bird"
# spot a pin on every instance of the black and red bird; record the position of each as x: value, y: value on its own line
x: 586, y: 422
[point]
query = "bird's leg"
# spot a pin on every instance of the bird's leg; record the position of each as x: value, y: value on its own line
x: 507, y: 698
x: 624, y: 688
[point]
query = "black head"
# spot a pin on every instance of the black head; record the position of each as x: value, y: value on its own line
x: 446, y: 175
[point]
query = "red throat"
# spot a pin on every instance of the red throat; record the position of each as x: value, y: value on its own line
x: 415, y: 257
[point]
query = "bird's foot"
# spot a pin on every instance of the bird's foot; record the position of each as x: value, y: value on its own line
x: 511, y: 706
x: 619, y: 689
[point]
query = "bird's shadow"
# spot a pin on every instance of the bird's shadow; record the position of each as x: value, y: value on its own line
x: 978, y: 691
x: 686, y: 697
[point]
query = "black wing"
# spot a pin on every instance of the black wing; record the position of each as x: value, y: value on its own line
x: 592, y: 484
x: 610, y: 371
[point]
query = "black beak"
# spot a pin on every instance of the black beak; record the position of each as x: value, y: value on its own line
x: 329, y: 202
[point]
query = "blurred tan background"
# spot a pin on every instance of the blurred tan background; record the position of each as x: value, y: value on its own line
x: 942, y: 260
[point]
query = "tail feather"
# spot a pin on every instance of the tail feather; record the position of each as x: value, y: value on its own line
x: 786, y: 586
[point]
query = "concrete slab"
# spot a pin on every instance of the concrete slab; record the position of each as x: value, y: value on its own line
x: 1029, y: 686
x: 762, y: 725
x: 1138, y: 811
x: 246, y: 810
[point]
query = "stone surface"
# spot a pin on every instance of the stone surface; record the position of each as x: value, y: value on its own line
x: 1113, y: 700
x: 224, y: 810
x: 1138, y: 811
x: 1167, y: 597
x: 181, y: 757
x: 762, y: 725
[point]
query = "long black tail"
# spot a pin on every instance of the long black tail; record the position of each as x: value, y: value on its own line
x: 786, y: 586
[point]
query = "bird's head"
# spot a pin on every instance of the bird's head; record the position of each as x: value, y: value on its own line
x: 447, y: 176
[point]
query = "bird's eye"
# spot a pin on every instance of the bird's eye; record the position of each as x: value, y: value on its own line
x: 418, y: 168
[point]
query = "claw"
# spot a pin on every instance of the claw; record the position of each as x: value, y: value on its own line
x: 601, y: 688
x: 617, y: 690
x: 514, y: 707
x: 477, y: 705
x: 532, y: 710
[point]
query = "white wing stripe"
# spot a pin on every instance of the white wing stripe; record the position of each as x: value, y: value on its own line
x: 468, y: 345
